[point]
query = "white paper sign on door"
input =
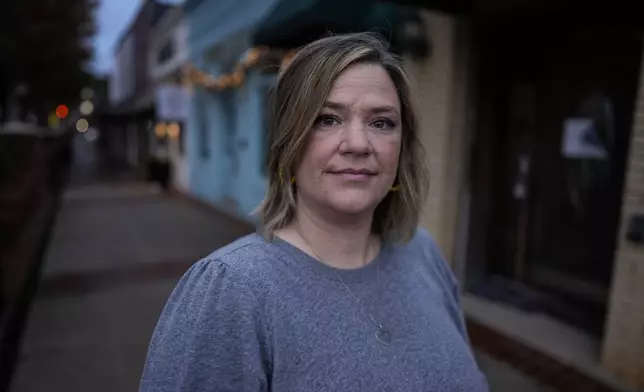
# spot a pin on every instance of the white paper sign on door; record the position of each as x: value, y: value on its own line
x: 580, y: 140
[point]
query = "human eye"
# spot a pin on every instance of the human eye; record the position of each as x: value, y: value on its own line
x: 326, y: 120
x: 383, y: 123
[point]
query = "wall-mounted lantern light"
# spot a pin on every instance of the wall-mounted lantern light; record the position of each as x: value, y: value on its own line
x: 173, y: 130
x: 160, y: 130
x: 414, y: 40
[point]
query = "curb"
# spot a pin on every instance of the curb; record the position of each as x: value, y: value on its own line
x: 15, y: 321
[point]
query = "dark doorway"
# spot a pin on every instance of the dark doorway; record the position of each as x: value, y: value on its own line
x: 556, y: 109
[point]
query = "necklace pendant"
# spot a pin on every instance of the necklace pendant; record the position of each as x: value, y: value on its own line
x: 383, y: 336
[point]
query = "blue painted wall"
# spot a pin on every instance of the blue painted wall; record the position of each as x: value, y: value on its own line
x: 251, y: 146
x: 208, y: 174
x: 229, y: 125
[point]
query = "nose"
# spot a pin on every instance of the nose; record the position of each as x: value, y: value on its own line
x: 355, y: 139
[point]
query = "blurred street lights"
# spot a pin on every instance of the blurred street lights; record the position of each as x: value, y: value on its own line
x: 91, y: 135
x: 160, y: 130
x: 82, y: 125
x: 87, y: 94
x: 173, y: 130
x: 86, y: 108
x: 62, y: 111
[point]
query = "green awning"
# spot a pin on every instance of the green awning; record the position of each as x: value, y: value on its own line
x: 293, y: 23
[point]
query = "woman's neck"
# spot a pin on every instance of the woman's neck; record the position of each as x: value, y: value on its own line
x: 341, y: 246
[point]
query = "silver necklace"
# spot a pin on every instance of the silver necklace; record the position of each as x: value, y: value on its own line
x: 383, y: 335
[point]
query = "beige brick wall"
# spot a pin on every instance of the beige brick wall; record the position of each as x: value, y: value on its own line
x: 623, y: 351
x: 438, y: 84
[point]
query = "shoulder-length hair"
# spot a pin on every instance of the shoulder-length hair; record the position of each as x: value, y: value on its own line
x: 296, y: 100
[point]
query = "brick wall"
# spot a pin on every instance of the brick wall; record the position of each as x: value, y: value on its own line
x: 439, y: 84
x: 623, y: 352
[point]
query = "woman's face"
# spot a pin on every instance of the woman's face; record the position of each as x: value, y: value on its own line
x: 351, y: 159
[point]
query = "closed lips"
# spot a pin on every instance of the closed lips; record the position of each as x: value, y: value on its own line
x: 364, y: 172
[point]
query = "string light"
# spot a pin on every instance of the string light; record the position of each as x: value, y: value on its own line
x: 286, y: 60
x: 191, y: 76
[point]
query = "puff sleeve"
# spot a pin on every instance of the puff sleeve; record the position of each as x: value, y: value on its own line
x: 211, y: 336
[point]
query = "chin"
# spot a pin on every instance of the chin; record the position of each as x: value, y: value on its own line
x: 355, y: 203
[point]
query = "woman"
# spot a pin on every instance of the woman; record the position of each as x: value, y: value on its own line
x: 341, y: 292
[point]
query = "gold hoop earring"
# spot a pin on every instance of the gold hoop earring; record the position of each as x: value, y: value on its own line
x: 281, y: 173
x: 395, y: 188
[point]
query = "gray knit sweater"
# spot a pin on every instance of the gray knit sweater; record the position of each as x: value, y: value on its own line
x: 264, y: 316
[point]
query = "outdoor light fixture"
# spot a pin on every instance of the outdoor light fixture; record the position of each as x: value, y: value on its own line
x: 173, y: 130
x: 413, y: 37
x: 160, y: 130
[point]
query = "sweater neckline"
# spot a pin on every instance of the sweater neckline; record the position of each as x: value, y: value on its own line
x: 359, y: 274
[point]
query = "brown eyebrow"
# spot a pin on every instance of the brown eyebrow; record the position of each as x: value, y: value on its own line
x: 333, y: 105
x: 384, y: 109
x: 375, y: 110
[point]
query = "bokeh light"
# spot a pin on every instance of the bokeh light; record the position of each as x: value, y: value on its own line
x: 62, y: 111
x: 173, y: 130
x: 53, y: 121
x: 91, y: 135
x: 86, y: 108
x: 82, y: 125
x: 87, y: 94
x: 160, y: 129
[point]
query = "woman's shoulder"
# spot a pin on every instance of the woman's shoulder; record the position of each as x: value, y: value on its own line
x: 246, y: 259
x: 423, y: 242
x: 233, y: 276
x: 428, y: 256
x: 249, y: 249
x: 216, y: 314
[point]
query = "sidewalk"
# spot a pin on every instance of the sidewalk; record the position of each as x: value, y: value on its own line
x: 114, y: 257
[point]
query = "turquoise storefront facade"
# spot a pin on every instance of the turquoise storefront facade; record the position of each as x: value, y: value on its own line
x: 226, y: 139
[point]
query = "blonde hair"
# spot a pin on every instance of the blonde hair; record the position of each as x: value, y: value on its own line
x: 296, y: 101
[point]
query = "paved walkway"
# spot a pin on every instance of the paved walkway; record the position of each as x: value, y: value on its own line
x: 114, y: 257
